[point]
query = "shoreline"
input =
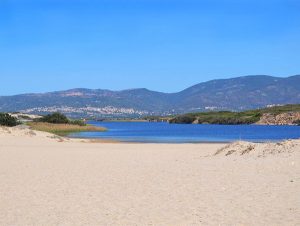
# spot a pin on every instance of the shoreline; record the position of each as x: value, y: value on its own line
x: 100, y: 140
x: 103, y: 140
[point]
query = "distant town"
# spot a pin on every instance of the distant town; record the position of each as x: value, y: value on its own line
x: 91, y: 112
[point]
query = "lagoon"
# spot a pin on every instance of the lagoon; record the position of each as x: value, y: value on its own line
x: 161, y: 132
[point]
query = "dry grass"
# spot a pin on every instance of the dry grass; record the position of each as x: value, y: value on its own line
x: 63, y: 129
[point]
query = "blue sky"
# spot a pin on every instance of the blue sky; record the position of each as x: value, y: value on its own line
x: 163, y: 45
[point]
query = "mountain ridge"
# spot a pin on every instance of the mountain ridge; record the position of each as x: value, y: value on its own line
x: 239, y: 93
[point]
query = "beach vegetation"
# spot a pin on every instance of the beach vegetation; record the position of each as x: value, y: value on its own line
x: 55, y: 118
x: 63, y: 129
x: 60, y: 124
x: 59, y: 118
x: 8, y: 120
x: 77, y: 122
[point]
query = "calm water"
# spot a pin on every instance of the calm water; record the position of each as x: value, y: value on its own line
x: 178, y: 133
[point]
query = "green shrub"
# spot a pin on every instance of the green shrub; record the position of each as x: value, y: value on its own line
x: 55, y: 118
x: 78, y: 122
x: 8, y: 120
x: 58, y: 118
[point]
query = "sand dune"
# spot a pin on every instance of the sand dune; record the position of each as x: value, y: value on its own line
x: 48, y: 180
x: 260, y: 149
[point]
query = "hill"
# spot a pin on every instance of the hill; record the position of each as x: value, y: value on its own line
x: 237, y: 94
x: 278, y: 115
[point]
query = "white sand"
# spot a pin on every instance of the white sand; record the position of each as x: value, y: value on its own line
x: 47, y: 181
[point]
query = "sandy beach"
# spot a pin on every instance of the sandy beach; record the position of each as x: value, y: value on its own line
x: 47, y: 180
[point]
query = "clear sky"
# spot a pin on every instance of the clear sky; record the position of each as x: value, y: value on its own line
x: 163, y: 45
